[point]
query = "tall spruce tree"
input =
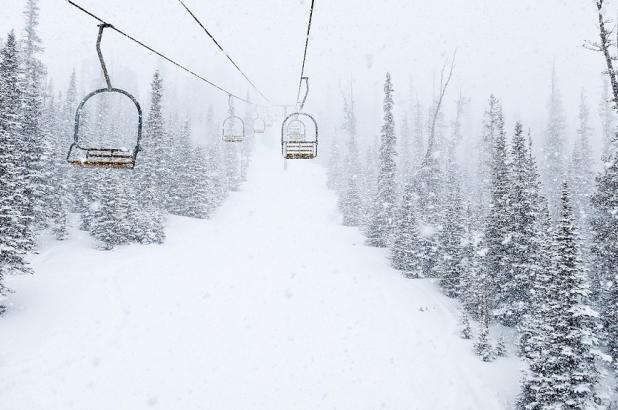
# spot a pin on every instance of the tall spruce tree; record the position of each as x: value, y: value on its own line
x: 383, y: 219
x: 151, y: 179
x: 514, y: 285
x: 350, y: 197
x: 33, y: 141
x: 449, y: 268
x: 496, y: 262
x: 554, y: 148
x: 13, y: 246
x: 493, y: 126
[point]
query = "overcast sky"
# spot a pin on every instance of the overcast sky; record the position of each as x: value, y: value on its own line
x: 503, y: 46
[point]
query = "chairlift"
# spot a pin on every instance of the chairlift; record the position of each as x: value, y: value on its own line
x: 296, y: 141
x: 233, y: 126
x: 259, y: 125
x: 104, y: 157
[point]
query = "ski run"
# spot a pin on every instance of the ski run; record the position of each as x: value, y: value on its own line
x: 218, y: 317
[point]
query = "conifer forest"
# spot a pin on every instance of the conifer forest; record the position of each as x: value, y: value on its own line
x: 310, y: 204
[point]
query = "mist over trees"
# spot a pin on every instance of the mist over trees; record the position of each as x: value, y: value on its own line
x: 523, y: 234
x: 523, y: 241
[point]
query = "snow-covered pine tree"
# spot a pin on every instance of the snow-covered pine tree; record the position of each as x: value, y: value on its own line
x: 368, y: 184
x: 383, y: 219
x: 405, y: 250
x: 148, y: 168
x: 473, y: 278
x: 107, y: 215
x: 449, y: 267
x: 215, y: 164
x: 200, y: 203
x: 496, y: 261
x: 181, y: 191
x: 605, y: 249
x: 522, y: 207
x: 12, y: 247
x: 334, y: 170
x: 574, y: 323
x: 605, y: 203
x: 350, y: 197
x: 493, y: 126
x: 33, y: 143
x: 59, y: 196
x: 581, y: 180
x: 538, y: 260
x: 554, y: 148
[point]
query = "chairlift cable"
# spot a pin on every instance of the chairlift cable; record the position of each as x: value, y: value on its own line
x: 302, y: 71
x: 222, y: 50
x: 163, y: 56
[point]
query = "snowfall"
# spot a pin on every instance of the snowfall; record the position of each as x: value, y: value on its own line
x: 270, y: 304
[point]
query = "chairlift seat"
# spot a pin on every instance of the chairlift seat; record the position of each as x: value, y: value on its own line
x: 298, y: 149
x: 233, y: 138
x: 105, y: 158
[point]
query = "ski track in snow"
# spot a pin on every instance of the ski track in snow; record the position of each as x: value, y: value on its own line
x: 271, y: 304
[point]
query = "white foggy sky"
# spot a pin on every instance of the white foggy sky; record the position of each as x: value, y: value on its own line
x: 504, y: 46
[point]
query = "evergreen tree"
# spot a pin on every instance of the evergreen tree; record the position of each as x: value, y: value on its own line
x: 350, y: 198
x: 522, y: 207
x: 496, y: 262
x: 582, y: 173
x: 562, y: 366
x: 151, y: 179
x: 383, y: 220
x: 452, y: 235
x: 473, y: 278
x: 58, y: 194
x: 539, y: 256
x: 32, y: 142
x: 13, y: 246
x: 215, y: 166
x: 493, y: 126
x: 482, y: 346
x: 107, y: 214
x: 554, y: 148
x: 605, y: 249
x: 405, y: 251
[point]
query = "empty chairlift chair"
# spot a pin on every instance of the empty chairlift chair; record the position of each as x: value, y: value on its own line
x: 97, y: 156
x: 259, y: 126
x: 233, y: 127
x: 299, y: 137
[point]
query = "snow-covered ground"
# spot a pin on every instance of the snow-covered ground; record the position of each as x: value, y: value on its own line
x: 272, y: 304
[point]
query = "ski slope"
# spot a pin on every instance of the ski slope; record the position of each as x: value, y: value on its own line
x: 271, y: 304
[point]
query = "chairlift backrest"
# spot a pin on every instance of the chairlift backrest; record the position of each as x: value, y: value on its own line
x: 233, y: 129
x: 295, y: 141
x: 104, y: 157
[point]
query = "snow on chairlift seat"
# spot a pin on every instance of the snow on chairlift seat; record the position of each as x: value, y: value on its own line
x: 106, y: 158
x: 295, y: 149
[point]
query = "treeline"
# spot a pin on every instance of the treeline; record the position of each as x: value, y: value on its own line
x: 523, y: 243
x: 41, y: 192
